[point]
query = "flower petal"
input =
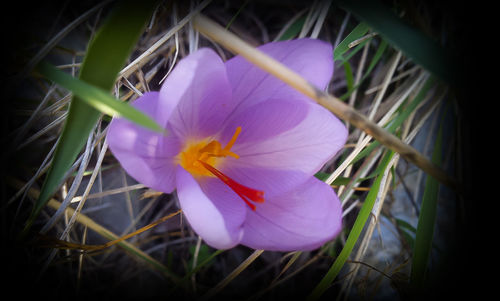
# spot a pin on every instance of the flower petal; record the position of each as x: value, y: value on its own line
x: 265, y: 120
x: 305, y: 147
x: 145, y: 155
x: 213, y: 212
x: 302, y: 219
x: 200, y: 89
x: 289, y: 155
x: 313, y: 59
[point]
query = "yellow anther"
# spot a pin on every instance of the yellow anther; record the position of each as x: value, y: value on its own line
x: 231, y: 142
x: 208, y: 152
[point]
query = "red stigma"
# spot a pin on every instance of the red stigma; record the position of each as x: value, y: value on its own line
x: 245, y: 193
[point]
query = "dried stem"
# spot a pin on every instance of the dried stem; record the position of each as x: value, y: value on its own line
x: 343, y: 111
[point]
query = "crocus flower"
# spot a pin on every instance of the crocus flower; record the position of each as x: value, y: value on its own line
x: 241, y: 148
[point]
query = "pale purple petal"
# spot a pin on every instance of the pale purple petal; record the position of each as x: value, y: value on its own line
x: 278, y: 162
x: 214, y: 212
x: 147, y: 156
x: 302, y: 219
x: 265, y: 120
x: 306, y: 147
x: 261, y: 123
x: 201, y: 90
x: 312, y: 59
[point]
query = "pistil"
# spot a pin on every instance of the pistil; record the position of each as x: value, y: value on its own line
x: 247, y: 194
x: 199, y: 159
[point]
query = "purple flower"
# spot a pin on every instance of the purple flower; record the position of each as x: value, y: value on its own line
x: 241, y: 148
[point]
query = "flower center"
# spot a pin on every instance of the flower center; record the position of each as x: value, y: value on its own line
x: 200, y: 158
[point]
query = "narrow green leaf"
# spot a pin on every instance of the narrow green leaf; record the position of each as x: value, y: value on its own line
x: 98, y: 98
x: 106, y: 55
x: 358, y: 32
x: 407, y: 231
x: 411, y: 41
x: 348, y: 76
x: 426, y: 220
x: 405, y: 225
x: 380, y: 168
x: 358, y: 226
x: 376, y: 57
x: 346, y: 57
x: 408, y: 238
x: 293, y: 30
x: 338, y: 181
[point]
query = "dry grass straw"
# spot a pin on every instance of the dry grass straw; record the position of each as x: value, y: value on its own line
x: 343, y: 111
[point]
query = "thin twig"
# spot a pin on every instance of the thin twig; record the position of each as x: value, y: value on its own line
x: 109, y: 192
x: 336, y: 106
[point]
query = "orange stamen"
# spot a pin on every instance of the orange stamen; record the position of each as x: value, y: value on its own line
x: 231, y: 142
x: 200, y: 158
x: 245, y: 193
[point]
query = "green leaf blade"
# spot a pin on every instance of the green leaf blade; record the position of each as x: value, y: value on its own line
x: 105, y: 56
x: 378, y: 55
x: 426, y: 221
x: 353, y: 235
x: 359, y: 31
x: 98, y: 98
